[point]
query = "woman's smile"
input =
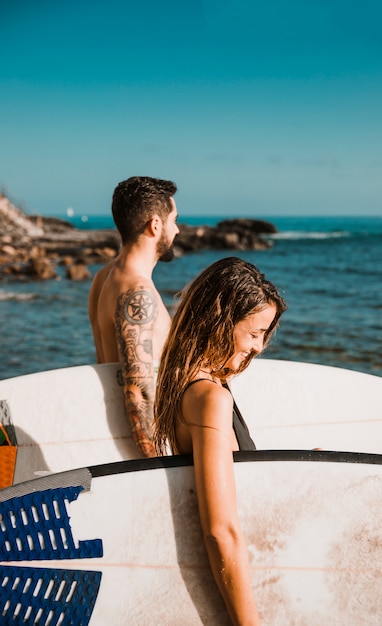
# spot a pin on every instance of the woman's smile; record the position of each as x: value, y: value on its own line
x: 249, y: 335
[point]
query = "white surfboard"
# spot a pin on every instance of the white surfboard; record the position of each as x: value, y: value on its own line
x: 301, y: 405
x: 121, y: 545
x: 72, y: 417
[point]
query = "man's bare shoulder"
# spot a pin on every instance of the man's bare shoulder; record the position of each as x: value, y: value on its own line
x: 95, y: 291
x: 120, y: 278
x: 112, y: 281
x: 100, y: 277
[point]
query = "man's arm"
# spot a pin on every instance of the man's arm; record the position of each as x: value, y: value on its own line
x: 135, y: 317
x: 93, y: 317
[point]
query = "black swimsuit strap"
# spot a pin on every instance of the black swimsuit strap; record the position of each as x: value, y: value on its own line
x: 240, y: 427
x: 235, y: 407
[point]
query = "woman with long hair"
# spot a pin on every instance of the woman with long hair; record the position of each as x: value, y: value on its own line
x: 224, y: 318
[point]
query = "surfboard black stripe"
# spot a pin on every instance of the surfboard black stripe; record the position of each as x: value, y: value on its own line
x: 323, y: 456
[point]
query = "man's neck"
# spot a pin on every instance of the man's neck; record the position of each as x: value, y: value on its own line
x: 138, y: 259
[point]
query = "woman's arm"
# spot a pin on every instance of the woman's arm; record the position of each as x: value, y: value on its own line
x: 207, y: 409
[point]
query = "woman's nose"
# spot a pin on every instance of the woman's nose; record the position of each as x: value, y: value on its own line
x: 258, y: 344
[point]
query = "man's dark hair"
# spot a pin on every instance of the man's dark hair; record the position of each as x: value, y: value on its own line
x: 136, y: 200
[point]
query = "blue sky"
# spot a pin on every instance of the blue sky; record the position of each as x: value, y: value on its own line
x: 252, y: 108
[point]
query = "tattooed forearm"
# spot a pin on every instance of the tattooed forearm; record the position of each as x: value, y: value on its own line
x: 134, y: 320
x: 140, y: 413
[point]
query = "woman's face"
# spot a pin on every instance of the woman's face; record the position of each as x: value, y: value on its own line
x: 248, y: 335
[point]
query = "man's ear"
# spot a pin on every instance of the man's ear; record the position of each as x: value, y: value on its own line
x: 155, y: 225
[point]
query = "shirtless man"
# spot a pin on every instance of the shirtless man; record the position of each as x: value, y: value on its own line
x: 129, y: 320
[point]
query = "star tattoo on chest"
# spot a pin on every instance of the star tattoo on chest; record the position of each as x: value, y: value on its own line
x: 140, y: 307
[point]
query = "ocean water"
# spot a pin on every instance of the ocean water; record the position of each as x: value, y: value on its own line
x: 328, y: 269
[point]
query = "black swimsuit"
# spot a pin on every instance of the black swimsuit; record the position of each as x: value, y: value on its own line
x: 239, y: 426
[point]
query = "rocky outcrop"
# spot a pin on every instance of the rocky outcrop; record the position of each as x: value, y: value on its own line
x: 235, y: 234
x: 78, y: 271
x: 33, y: 247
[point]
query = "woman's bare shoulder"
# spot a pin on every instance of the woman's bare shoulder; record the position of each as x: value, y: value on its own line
x: 205, y: 401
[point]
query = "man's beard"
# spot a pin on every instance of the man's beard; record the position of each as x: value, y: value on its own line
x: 165, y: 250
